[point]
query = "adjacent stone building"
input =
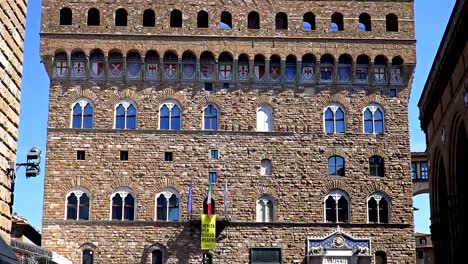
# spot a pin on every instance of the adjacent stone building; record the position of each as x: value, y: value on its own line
x: 302, y: 107
x: 443, y: 110
x: 424, y: 251
x: 12, y: 28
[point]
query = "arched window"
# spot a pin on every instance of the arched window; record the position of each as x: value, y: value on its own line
x: 396, y: 70
x: 344, y: 68
x: 149, y: 18
x: 210, y: 117
x: 326, y: 68
x: 94, y: 17
x: 225, y: 67
x: 337, y: 207
x: 207, y: 64
x: 265, y: 209
x: 376, y: 166
x: 378, y: 208
x: 78, y: 64
x: 308, y: 22
x: 157, y: 257
x: 290, y: 68
x: 134, y: 64
x: 337, y: 22
x: 380, y: 257
x: 373, y: 119
x: 362, y: 69
x: 151, y: 65
x: 205, y: 206
x: 66, y: 16
x: 170, y: 61
x: 61, y: 65
x: 115, y: 66
x: 176, y: 18
x: 265, y: 169
x: 380, y: 69
x: 88, y: 256
x: 264, y: 119
x: 275, y: 68
x: 336, y: 166
x: 391, y: 22
x: 253, y: 20
x: 281, y: 21
x: 167, y: 205
x: 226, y: 20
x: 170, y: 116
x: 96, y: 65
x: 365, y: 22
x: 202, y: 19
x: 188, y: 65
x: 82, y: 114
x: 125, y: 115
x: 308, y: 68
x: 243, y: 67
x: 121, y: 17
x: 123, y: 205
x: 334, y: 118
x: 78, y: 202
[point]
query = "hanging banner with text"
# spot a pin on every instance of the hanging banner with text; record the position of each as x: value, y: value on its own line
x: 208, y: 232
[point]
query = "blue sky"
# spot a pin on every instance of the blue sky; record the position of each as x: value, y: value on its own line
x: 431, y: 20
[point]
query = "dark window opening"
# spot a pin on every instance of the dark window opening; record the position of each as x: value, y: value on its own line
x: 420, y: 254
x: 376, y: 166
x: 157, y: 257
x: 391, y: 23
x: 80, y: 155
x: 149, y: 18
x: 124, y: 155
x: 66, y: 16
x: 202, y: 19
x: 281, y: 21
x: 94, y: 17
x: 208, y: 87
x: 226, y: 20
x: 308, y: 22
x: 121, y: 17
x: 253, y: 20
x: 393, y: 93
x: 380, y: 257
x: 176, y: 18
x: 225, y: 85
x: 88, y: 256
x: 365, y: 22
x: 337, y: 23
x: 167, y: 156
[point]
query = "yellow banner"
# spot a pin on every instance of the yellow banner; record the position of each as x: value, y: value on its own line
x: 208, y: 232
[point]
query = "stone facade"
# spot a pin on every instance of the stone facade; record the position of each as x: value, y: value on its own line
x: 12, y: 28
x: 297, y: 144
x: 424, y: 251
x: 443, y: 110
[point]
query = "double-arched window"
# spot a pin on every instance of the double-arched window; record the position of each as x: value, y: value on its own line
x: 378, y: 208
x: 334, y: 119
x: 78, y: 204
x: 265, y: 118
x: 337, y: 207
x: 82, y: 114
x: 125, y: 115
x: 265, y: 209
x: 170, y: 116
x: 210, y: 117
x: 373, y: 119
x: 123, y: 205
x: 167, y: 205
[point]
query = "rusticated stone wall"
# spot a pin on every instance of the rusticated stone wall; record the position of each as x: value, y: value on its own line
x: 298, y: 147
x: 12, y: 28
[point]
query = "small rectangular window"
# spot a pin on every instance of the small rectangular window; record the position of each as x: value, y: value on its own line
x: 424, y: 168
x: 167, y: 156
x: 225, y: 85
x: 393, y: 93
x: 414, y: 171
x: 420, y: 254
x: 80, y: 155
x: 214, y: 154
x: 208, y: 87
x: 213, y: 177
x: 123, y: 155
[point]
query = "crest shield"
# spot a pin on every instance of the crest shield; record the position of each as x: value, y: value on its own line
x: 290, y: 72
x: 379, y: 74
x: 259, y: 71
x: 361, y: 74
x: 307, y: 73
x: 133, y: 70
x: 78, y: 69
x: 395, y: 75
x: 243, y: 72
x: 151, y: 70
x: 97, y: 69
x: 275, y: 72
x: 170, y: 70
x: 116, y: 69
x: 207, y: 71
x: 189, y: 71
x: 61, y: 69
x: 344, y: 73
x: 225, y: 72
